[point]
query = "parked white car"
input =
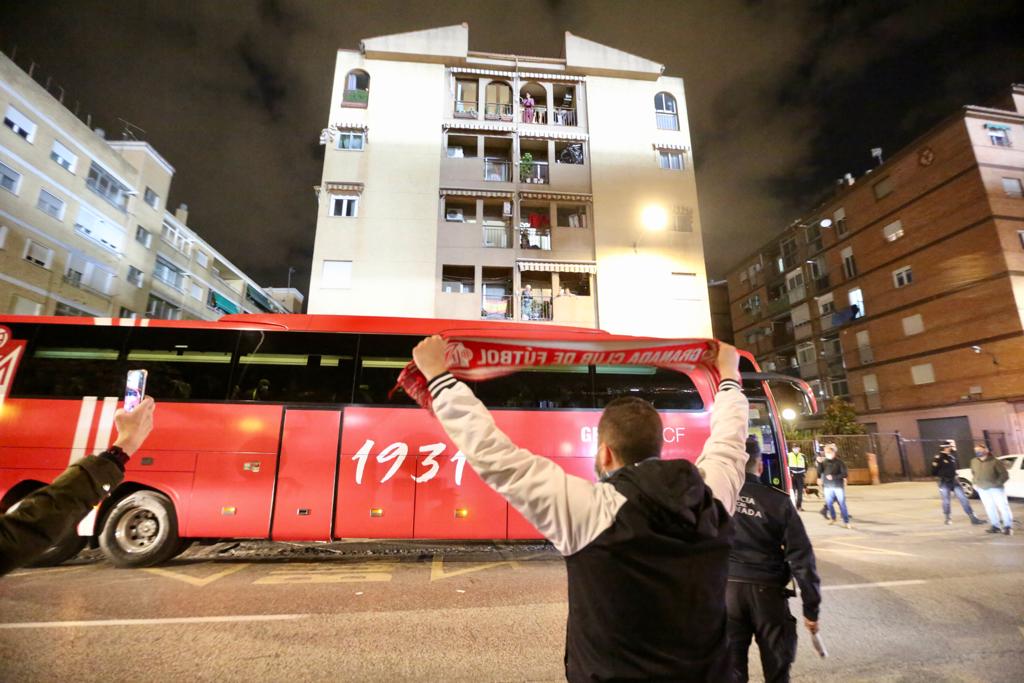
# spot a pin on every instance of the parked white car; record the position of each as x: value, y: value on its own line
x: 1014, y: 485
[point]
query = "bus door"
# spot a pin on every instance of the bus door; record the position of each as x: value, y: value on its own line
x: 307, y: 466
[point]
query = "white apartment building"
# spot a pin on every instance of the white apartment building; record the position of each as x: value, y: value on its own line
x: 469, y: 185
x: 84, y: 228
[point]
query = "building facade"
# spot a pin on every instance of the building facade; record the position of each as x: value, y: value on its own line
x: 84, y: 228
x: 471, y: 185
x: 909, y: 302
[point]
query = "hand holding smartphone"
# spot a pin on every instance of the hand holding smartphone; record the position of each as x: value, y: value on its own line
x: 135, y: 389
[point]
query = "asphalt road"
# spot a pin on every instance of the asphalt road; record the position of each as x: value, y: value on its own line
x: 906, y: 599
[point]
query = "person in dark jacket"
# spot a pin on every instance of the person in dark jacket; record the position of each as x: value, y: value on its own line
x: 770, y: 547
x: 646, y: 548
x: 832, y: 474
x: 944, y: 466
x: 48, y: 514
x: 989, y: 476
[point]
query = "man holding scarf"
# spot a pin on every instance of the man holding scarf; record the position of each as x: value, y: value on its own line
x: 646, y: 548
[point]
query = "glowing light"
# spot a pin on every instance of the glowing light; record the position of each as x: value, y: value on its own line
x: 461, y: 513
x: 654, y: 218
x: 788, y: 414
x: 250, y: 425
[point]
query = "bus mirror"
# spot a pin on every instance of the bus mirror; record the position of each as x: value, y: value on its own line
x: 806, y: 393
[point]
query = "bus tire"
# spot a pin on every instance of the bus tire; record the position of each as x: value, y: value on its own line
x: 61, y: 551
x: 141, y: 530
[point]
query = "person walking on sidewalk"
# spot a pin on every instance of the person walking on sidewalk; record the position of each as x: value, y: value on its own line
x: 770, y: 547
x: 797, y: 471
x: 989, y: 475
x: 944, y: 466
x: 832, y: 473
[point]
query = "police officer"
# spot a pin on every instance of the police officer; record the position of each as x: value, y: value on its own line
x: 944, y: 466
x: 770, y: 547
x: 797, y: 471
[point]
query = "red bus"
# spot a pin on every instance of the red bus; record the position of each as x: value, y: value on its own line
x: 280, y: 427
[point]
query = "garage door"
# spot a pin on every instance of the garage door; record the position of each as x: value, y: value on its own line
x: 938, y: 429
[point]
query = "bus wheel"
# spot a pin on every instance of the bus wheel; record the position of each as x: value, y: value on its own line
x: 140, y: 531
x: 61, y: 551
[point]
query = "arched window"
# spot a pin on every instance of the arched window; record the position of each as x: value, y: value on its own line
x: 357, y: 89
x: 499, y: 101
x: 665, y: 111
x: 533, y: 99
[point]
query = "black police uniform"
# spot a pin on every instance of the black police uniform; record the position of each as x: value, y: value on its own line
x: 770, y: 546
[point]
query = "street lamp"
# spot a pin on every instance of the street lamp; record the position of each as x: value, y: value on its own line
x: 978, y: 349
x: 788, y: 414
x: 654, y: 219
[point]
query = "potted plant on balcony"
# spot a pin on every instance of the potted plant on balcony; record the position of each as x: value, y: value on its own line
x: 526, y: 167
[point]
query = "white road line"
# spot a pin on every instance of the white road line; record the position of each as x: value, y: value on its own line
x: 880, y: 584
x: 153, y: 622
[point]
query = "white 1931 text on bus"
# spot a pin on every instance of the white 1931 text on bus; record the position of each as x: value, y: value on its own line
x: 396, y: 454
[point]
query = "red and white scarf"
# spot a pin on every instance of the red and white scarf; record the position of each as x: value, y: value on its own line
x: 476, y: 359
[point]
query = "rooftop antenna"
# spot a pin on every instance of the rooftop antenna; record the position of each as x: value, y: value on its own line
x: 876, y: 152
x: 129, y: 130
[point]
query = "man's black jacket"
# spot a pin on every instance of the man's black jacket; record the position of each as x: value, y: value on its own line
x: 834, y: 467
x: 944, y: 466
x: 771, y: 544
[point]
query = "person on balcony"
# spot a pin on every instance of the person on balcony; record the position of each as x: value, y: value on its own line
x: 528, y: 302
x: 528, y: 108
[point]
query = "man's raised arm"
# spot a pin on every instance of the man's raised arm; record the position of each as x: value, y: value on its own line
x: 723, y: 460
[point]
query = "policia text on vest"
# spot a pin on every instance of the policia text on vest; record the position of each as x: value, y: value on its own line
x: 646, y: 548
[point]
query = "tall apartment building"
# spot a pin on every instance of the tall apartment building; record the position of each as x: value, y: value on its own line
x: 910, y: 302
x: 469, y: 185
x: 83, y: 225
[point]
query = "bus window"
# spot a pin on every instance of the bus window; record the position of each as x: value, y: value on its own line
x: 566, y: 386
x: 183, y: 364
x: 72, y: 361
x: 762, y: 427
x: 302, y: 367
x: 665, y: 389
x: 381, y: 360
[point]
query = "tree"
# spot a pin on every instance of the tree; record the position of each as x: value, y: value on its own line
x: 840, y: 418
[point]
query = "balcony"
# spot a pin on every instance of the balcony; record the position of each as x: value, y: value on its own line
x: 498, y: 170
x: 465, y: 109
x: 496, y: 111
x: 496, y: 307
x: 544, y: 116
x: 537, y: 307
x: 534, y: 238
x: 822, y: 284
x: 355, y: 98
x: 778, y: 306
x: 667, y: 120
x: 797, y: 294
x: 74, y: 278
x: 534, y: 172
x: 497, y: 234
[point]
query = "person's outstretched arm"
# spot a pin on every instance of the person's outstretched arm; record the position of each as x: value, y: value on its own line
x: 567, y: 510
x: 48, y: 514
x: 723, y: 460
x: 800, y: 556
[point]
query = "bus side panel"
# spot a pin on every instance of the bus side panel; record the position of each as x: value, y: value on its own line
x: 40, y: 433
x: 233, y: 488
x: 305, y: 475
x: 458, y: 504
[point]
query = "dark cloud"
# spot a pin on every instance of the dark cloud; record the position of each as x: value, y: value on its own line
x: 782, y: 97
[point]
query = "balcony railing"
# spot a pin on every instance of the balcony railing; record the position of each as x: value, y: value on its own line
x: 778, y: 306
x: 496, y: 307
x: 497, y: 235
x: 537, y: 114
x: 667, y: 121
x: 465, y: 109
x: 499, y: 112
x: 355, y: 98
x: 498, y: 171
x: 821, y: 284
x: 534, y: 238
x: 75, y: 280
x: 536, y: 307
x: 535, y: 172
x: 564, y: 116
x: 797, y: 294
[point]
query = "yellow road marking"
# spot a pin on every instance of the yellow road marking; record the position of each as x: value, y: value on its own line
x: 195, y: 580
x: 858, y: 549
x: 37, y: 572
x: 362, y: 572
x: 437, y: 570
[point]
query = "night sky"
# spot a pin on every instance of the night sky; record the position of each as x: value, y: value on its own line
x: 782, y: 97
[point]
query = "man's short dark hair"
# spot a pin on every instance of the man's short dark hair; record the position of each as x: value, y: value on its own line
x: 631, y: 427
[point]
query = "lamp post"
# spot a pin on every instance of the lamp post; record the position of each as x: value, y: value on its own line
x: 788, y: 414
x: 654, y: 219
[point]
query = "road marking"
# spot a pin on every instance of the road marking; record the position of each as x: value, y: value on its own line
x: 857, y: 549
x: 194, y: 580
x: 879, y: 584
x: 1021, y: 630
x: 37, y: 572
x: 153, y: 622
x: 362, y: 572
x: 437, y: 571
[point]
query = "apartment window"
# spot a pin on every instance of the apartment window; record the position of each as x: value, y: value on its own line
x: 752, y: 304
x: 871, y: 391
x: 50, y: 205
x: 998, y: 134
x: 788, y: 249
x: 893, y: 231
x: 1013, y: 187
x: 817, y: 268
x: 849, y: 264
x: 913, y: 324
x: 38, y: 254
x: 672, y: 161
x: 71, y: 311
x: 902, y: 277
x: 196, y: 291
x: 345, y: 206
x: 826, y: 305
x: 813, y: 235
x: 883, y: 188
x: 99, y: 229
x: 105, y: 185
x: 22, y: 306
x: 571, y: 216
x: 856, y: 298
x: 574, y: 284
x: 126, y: 312
x: 459, y: 210
x: 143, y: 237
x: 462, y: 146
x: 162, y: 309
x: 202, y: 259
x: 336, y: 275
x: 151, y: 198
x: 457, y: 279
x: 923, y: 374
x: 665, y: 112
x: 682, y: 219
x: 839, y: 386
x: 135, y: 276
x: 685, y: 286
x: 351, y: 140
x: 20, y: 124
x: 175, y: 238
x: 357, y: 89
x: 10, y: 179
x: 805, y: 353
x: 839, y: 221
x: 3, y: 235
x: 63, y: 156
x: 466, y: 98
x: 81, y: 272
x: 168, y: 273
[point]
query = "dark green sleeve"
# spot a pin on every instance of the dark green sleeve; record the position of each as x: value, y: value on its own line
x: 47, y: 514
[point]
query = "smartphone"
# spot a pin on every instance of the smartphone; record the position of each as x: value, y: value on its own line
x: 135, y: 389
